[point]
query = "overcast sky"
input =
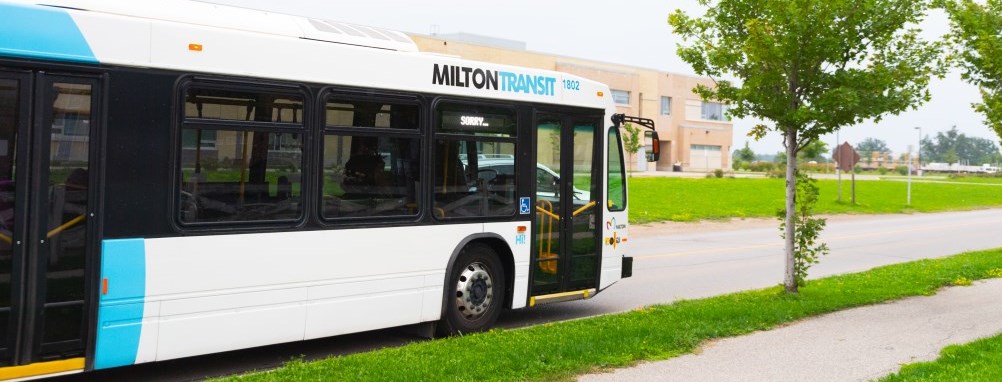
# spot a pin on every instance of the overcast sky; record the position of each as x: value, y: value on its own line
x: 634, y: 33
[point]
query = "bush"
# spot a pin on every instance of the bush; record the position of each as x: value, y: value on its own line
x: 738, y: 165
x: 210, y: 163
x: 718, y: 173
x: 883, y: 170
x: 903, y: 170
x: 816, y: 167
x: 760, y: 166
x: 858, y: 169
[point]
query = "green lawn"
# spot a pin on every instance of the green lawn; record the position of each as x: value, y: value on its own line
x: 975, y: 179
x: 977, y: 361
x: 559, y: 351
x: 680, y: 199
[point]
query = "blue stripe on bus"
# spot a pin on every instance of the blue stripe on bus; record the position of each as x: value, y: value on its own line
x: 120, y: 312
x: 29, y: 31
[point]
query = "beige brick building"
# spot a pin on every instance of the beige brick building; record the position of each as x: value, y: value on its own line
x: 694, y: 133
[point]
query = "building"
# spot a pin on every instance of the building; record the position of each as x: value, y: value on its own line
x: 695, y: 134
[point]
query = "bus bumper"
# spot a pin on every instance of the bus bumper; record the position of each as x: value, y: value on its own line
x: 627, y: 267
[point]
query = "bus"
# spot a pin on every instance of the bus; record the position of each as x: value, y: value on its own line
x: 180, y: 178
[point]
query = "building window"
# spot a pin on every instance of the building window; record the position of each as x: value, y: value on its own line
x: 713, y: 111
x: 621, y: 97
x: 665, y: 105
x: 706, y: 148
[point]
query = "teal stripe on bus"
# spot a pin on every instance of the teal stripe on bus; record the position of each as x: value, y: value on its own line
x: 120, y: 311
x: 38, y: 32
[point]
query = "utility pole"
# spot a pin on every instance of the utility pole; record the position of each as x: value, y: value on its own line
x: 909, y: 176
x: 838, y: 159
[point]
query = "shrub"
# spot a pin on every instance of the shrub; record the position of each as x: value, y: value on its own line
x: 903, y: 170
x: 815, y: 167
x: 719, y: 173
x: 210, y: 163
x: 761, y: 166
x: 883, y: 170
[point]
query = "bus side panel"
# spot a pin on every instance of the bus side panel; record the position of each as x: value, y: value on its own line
x: 208, y: 294
x: 614, y: 237
x: 518, y: 242
x: 616, y: 227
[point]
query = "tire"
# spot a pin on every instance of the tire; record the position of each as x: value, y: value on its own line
x: 475, y: 292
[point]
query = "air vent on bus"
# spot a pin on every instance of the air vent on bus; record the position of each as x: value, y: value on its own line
x: 334, y: 31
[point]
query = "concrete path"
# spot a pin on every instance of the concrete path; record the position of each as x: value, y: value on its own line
x: 853, y: 345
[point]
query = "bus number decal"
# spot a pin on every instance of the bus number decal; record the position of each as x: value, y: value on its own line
x: 572, y: 85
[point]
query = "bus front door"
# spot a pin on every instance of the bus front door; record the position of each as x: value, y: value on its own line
x: 566, y: 245
x: 47, y: 237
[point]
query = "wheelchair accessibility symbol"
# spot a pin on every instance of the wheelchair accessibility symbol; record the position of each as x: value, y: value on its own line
x: 523, y: 206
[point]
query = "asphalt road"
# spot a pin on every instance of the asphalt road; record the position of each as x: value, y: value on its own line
x: 668, y: 265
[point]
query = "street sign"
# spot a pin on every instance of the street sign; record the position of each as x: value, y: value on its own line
x: 845, y: 156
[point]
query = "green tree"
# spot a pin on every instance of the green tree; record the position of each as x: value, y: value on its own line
x: 810, y: 67
x: 780, y: 158
x: 970, y: 149
x: 976, y: 35
x: 743, y: 157
x: 807, y: 248
x: 745, y: 154
x: 950, y: 156
x: 631, y: 140
x: 868, y: 146
x: 814, y: 151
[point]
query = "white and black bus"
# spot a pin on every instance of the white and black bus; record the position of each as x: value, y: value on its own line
x: 180, y: 178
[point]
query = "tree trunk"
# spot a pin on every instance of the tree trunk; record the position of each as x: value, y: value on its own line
x: 790, y: 279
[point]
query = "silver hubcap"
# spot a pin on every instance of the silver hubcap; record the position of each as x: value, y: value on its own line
x: 474, y: 291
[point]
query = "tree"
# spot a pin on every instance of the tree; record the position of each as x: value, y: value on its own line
x: 868, y: 146
x: 970, y: 149
x: 810, y: 67
x: 814, y: 151
x: 780, y: 158
x: 743, y: 157
x: 950, y: 156
x: 976, y: 34
x: 745, y: 154
x: 631, y: 140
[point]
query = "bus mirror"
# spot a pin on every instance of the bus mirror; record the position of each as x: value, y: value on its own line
x: 651, y: 140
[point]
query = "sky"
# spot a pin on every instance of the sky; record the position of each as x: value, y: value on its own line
x: 632, y: 32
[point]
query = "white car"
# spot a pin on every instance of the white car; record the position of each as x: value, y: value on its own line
x: 546, y: 179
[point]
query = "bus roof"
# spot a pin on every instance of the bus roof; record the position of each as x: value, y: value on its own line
x: 209, y: 38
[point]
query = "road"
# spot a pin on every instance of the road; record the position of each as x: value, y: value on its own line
x: 672, y: 262
x: 700, y: 263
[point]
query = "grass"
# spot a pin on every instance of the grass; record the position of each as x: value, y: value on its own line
x: 976, y: 179
x: 980, y: 360
x: 559, y: 351
x: 680, y: 199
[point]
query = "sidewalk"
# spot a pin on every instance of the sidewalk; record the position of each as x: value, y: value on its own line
x: 859, y: 344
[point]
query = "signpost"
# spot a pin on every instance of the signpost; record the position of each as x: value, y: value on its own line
x: 846, y: 158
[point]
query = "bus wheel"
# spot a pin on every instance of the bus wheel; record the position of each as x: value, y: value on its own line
x: 476, y: 291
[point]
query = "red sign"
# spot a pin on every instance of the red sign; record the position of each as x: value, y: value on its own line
x: 845, y: 156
